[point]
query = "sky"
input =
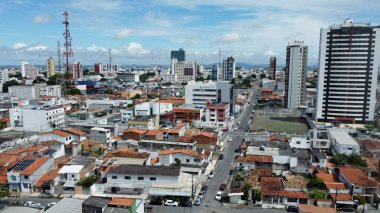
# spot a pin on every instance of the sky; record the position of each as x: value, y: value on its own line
x: 144, y: 31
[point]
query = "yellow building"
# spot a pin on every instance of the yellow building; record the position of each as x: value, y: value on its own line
x: 50, y: 66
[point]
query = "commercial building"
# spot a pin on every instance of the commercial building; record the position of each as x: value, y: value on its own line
x: 228, y: 69
x: 343, y: 143
x: 214, y: 73
x: 178, y: 54
x: 36, y: 118
x: 348, y: 68
x: 272, y: 68
x: 77, y: 70
x: 35, y: 91
x: 128, y: 76
x: 199, y: 93
x: 296, y: 70
x: 185, y: 71
x: 50, y: 67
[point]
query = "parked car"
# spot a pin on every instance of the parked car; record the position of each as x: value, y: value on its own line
x: 32, y: 204
x: 292, y: 209
x: 197, y: 202
x: 218, y: 195
x: 157, y: 202
x: 211, y: 175
x: 223, y: 186
x: 185, y: 203
x: 221, y: 156
x: 346, y: 209
x: 201, y: 195
x: 229, y: 139
x: 204, y: 189
x: 237, y: 150
x: 51, y: 204
x: 231, y: 171
x: 170, y: 203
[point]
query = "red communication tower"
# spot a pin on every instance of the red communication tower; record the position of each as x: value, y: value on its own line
x: 67, y: 54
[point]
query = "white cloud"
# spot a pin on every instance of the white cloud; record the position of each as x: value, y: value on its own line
x: 37, y: 48
x: 98, y: 5
x: 158, y: 19
x: 18, y: 46
x: 270, y: 53
x: 40, y: 19
x: 95, y: 48
x: 136, y: 49
x: 123, y: 33
x: 230, y: 37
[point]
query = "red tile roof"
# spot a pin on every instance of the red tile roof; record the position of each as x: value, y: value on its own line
x: 357, y: 176
x: 371, y: 144
x: 272, y: 186
x: 255, y: 158
x: 152, y: 132
x: 296, y: 194
x: 124, y: 202
x: 75, y: 131
x: 207, y: 134
x: 127, y: 153
x: 139, y: 131
x: 335, y: 185
x: 182, y: 151
x: 341, y: 197
x: 60, y: 133
x: 48, y: 176
x: 315, y: 209
x: 34, y: 166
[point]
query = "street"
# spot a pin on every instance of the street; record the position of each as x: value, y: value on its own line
x: 209, y: 204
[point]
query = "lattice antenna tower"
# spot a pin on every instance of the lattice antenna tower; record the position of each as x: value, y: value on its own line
x: 67, y: 54
x: 59, y: 57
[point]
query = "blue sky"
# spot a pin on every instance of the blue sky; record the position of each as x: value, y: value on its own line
x: 144, y: 31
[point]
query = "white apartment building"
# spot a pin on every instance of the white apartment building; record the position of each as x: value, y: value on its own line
x: 36, y: 118
x: 4, y: 77
x: 185, y: 71
x: 28, y: 70
x: 349, y: 58
x: 295, y: 80
x: 35, y: 91
x: 198, y: 93
x: 169, y: 77
x: 128, y: 76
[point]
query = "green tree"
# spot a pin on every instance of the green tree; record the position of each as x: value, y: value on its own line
x: 144, y: 77
x: 263, y: 76
x: 208, y: 77
x: 86, y: 71
x: 109, y: 91
x: 315, y: 183
x: 259, y: 195
x: 246, y: 188
x: 74, y: 91
x: 253, y: 76
x: 233, y: 81
x: 54, y: 80
x: 88, y: 181
x: 342, y: 159
x: 167, y: 84
x: 103, y: 79
x: 200, y: 78
x: 18, y: 75
x: 184, y: 83
x: 7, y: 84
x: 4, y: 192
x: 238, y: 177
x: 137, y: 96
x: 177, y: 162
x: 246, y: 82
x: 38, y: 80
x: 130, y: 105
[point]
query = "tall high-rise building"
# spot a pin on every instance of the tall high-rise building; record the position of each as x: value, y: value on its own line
x: 228, y: 69
x: 77, y: 70
x: 349, y: 55
x: 98, y: 68
x: 50, y: 67
x: 214, y: 73
x: 178, y: 54
x: 184, y: 70
x: 295, y: 75
x: 28, y: 70
x: 272, y: 68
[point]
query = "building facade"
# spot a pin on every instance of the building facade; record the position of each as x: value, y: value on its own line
x: 272, y: 68
x: 214, y: 73
x: 295, y: 79
x: 50, y: 67
x: 348, y: 67
x: 229, y: 69
x: 185, y: 70
x: 77, y: 70
x: 199, y: 93
x: 98, y: 68
x: 128, y: 76
x: 28, y: 70
x: 178, y: 54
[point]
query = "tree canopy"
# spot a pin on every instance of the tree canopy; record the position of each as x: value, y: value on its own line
x: 7, y: 84
x: 74, y: 91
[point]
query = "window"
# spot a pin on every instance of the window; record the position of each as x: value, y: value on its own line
x: 73, y: 176
x: 127, y: 177
x: 187, y: 160
x: 298, y: 142
x: 140, y: 178
x: 152, y: 178
x: 26, y: 177
x: 114, y: 177
x: 25, y: 185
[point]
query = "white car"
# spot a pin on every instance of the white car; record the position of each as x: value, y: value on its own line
x: 211, y: 175
x: 171, y: 203
x: 218, y: 195
x: 32, y: 204
x: 51, y: 204
x: 229, y: 139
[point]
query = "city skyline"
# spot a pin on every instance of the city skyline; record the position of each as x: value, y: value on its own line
x: 145, y: 32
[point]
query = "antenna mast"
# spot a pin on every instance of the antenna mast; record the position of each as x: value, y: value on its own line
x: 59, y: 56
x: 68, y: 55
x: 110, y: 61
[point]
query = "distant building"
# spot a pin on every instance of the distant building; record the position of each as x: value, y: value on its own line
x: 185, y: 70
x: 295, y: 80
x: 178, y: 54
x: 216, y: 115
x: 229, y: 69
x: 98, y: 68
x: 128, y: 76
x: 4, y: 77
x: 349, y: 58
x: 214, y: 73
x: 35, y: 91
x: 50, y: 67
x: 28, y: 70
x: 272, y: 68
x: 77, y: 70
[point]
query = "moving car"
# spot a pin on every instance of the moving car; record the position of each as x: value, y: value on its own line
x: 218, y: 195
x: 221, y: 156
x: 229, y: 139
x: 211, y: 175
x: 32, y: 204
x: 51, y: 204
x: 292, y: 209
x: 171, y: 203
x: 185, y: 203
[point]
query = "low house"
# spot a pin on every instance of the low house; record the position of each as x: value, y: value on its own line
x: 372, y: 146
x: 319, y: 159
x: 115, y: 204
x: 58, y: 135
x: 304, y: 208
x: 77, y: 134
x: 144, y: 122
x: 100, y: 135
x: 154, y: 135
x: 134, y: 134
x: 293, y: 198
x: 358, y: 182
x: 181, y: 156
x: 157, y: 145
x: 272, y: 190
x: 206, y: 140
x: 22, y: 177
x: 343, y: 143
x: 255, y: 162
x: 45, y: 184
x: 6, y: 162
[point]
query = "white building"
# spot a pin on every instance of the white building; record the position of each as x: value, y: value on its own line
x: 198, y: 93
x: 296, y: 70
x: 28, y: 70
x: 185, y: 157
x: 169, y: 77
x: 4, y: 77
x: 349, y: 58
x: 36, y: 118
x: 57, y: 135
x: 128, y: 76
x: 343, y: 143
x: 126, y: 114
x: 142, y: 109
x: 35, y: 91
x: 300, y: 143
x: 185, y: 71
